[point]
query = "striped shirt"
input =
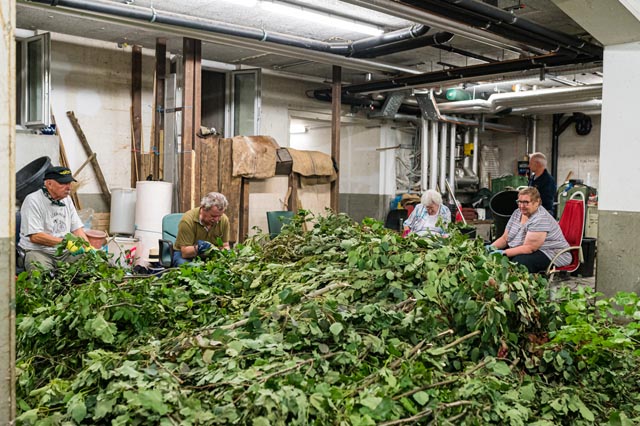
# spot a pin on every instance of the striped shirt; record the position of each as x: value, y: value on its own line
x: 540, y: 221
x: 421, y: 223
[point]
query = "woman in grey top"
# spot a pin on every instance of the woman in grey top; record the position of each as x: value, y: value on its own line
x: 532, y: 236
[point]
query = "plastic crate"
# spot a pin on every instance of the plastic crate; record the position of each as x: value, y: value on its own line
x: 502, y: 183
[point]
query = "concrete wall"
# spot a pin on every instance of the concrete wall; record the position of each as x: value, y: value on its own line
x: 577, y: 154
x: 619, y: 206
x: 93, y: 79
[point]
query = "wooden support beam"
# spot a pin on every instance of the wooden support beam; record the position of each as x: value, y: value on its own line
x: 197, y: 116
x: 187, y: 152
x: 159, y: 89
x: 94, y: 161
x: 294, y: 179
x: 136, y: 115
x: 336, y: 109
x: 243, y: 229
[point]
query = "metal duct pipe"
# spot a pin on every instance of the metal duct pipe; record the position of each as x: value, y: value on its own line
x: 511, y: 27
x: 592, y: 107
x: 433, y: 167
x: 218, y: 32
x: 534, y: 133
x: 504, y: 18
x: 500, y: 101
x: 444, y: 137
x: 424, y: 157
x: 474, y: 164
x: 400, y: 10
x: 388, y: 38
x: 480, y: 70
x: 452, y: 158
x: 386, y: 49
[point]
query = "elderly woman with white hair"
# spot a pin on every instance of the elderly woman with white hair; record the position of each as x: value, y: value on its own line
x: 429, y: 216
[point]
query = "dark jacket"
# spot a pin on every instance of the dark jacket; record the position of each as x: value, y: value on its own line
x: 546, y: 185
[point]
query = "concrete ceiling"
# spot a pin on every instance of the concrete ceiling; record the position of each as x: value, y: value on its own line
x: 304, y: 63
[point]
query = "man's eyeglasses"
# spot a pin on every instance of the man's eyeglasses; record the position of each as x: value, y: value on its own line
x: 523, y: 202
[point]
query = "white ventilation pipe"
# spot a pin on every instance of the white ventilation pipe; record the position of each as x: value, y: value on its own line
x: 534, y: 133
x: 500, y: 101
x: 424, y: 155
x: 433, y: 167
x: 474, y: 164
x: 443, y: 157
x: 452, y: 159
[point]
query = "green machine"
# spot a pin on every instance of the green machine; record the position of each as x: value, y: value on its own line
x: 565, y: 191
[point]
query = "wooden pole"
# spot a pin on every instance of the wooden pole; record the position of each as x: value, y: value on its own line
x: 94, y: 161
x: 158, y: 129
x: 136, y: 114
x: 336, y: 109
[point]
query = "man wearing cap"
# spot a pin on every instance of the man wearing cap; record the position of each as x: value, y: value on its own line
x: 47, y: 216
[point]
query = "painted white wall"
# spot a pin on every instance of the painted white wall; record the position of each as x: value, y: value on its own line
x: 93, y: 79
x: 620, y: 139
x: 577, y: 154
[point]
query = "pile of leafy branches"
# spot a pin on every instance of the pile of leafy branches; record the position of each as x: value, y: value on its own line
x: 345, y: 324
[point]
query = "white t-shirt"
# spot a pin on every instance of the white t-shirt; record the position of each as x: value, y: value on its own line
x: 39, y: 214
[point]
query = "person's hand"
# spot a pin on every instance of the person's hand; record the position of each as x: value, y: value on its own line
x: 74, y: 249
x: 498, y: 251
x: 202, y: 246
x: 490, y: 248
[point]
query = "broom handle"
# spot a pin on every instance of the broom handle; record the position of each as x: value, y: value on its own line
x: 446, y: 182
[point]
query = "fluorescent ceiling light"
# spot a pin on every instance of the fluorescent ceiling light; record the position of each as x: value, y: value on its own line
x: 320, y: 18
x: 297, y: 128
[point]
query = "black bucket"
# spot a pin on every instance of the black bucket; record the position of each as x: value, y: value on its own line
x: 31, y: 177
x: 502, y: 205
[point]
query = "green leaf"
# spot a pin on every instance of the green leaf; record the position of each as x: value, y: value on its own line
x: 501, y: 368
x: 261, y: 421
x: 103, y: 407
x: 46, y: 325
x: 101, y: 329
x: 528, y: 392
x: 371, y: 402
x: 76, y: 408
x: 152, y: 400
x: 28, y: 417
x: 390, y: 275
x: 336, y: 328
x: 421, y: 397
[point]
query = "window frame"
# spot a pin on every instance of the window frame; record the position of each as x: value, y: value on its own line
x: 42, y: 116
x: 257, y: 99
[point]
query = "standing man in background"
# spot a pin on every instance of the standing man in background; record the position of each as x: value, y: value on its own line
x: 540, y: 179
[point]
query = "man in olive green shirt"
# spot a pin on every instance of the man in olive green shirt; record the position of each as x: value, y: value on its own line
x: 200, y: 227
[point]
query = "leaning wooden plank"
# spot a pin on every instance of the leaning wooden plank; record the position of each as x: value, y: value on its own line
x: 94, y: 161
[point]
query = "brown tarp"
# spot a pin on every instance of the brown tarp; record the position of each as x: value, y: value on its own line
x: 314, y: 167
x: 254, y: 156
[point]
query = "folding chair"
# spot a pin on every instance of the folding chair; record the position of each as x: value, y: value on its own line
x: 572, y: 226
x: 169, y: 233
x: 275, y: 220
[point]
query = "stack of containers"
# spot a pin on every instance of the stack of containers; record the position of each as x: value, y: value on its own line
x: 152, y: 204
x: 122, y: 245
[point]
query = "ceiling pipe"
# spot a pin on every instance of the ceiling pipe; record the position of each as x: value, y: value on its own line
x: 410, y: 33
x: 501, y: 101
x: 218, y: 32
x: 497, y: 21
x: 466, y: 53
x: 592, y: 107
x: 404, y: 11
x: 502, y: 17
x: 461, y: 73
x: 424, y: 41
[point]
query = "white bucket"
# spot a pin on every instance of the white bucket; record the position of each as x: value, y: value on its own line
x: 147, y: 240
x: 118, y: 246
x: 153, y: 202
x: 123, y: 211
